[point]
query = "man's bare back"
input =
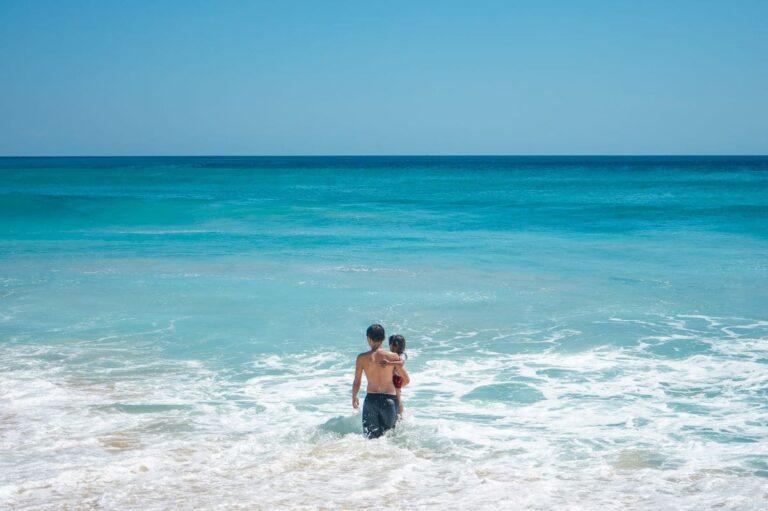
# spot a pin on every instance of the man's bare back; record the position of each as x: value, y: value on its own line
x: 377, y: 372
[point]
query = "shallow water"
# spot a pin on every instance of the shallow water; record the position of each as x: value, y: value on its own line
x: 583, y: 332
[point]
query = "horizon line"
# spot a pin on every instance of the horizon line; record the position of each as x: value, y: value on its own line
x: 425, y: 155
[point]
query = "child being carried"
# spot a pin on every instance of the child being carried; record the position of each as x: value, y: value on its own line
x: 397, y: 345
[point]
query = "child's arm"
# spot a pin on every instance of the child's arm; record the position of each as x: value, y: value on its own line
x: 393, y: 362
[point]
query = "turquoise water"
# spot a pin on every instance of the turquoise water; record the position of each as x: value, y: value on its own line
x: 582, y: 332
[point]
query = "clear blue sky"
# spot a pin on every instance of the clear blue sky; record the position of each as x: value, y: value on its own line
x: 386, y: 77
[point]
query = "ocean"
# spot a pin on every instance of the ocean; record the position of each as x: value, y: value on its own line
x: 582, y: 332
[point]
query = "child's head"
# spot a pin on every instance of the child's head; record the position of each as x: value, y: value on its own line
x: 397, y: 343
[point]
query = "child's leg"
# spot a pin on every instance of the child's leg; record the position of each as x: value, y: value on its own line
x: 399, y: 402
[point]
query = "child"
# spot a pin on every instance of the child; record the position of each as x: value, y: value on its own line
x: 397, y: 345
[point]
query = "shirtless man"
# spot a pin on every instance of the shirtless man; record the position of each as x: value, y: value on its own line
x: 380, y: 406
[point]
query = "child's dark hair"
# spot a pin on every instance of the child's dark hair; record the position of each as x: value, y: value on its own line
x: 397, y: 343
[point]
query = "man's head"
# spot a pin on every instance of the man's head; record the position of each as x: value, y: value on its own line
x: 375, y: 334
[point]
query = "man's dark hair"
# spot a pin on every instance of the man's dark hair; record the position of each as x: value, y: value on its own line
x: 375, y: 333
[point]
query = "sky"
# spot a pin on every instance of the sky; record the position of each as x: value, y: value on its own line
x: 409, y: 77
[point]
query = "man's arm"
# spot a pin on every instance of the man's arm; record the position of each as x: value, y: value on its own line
x: 404, y: 375
x: 356, y: 383
x: 397, y: 361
